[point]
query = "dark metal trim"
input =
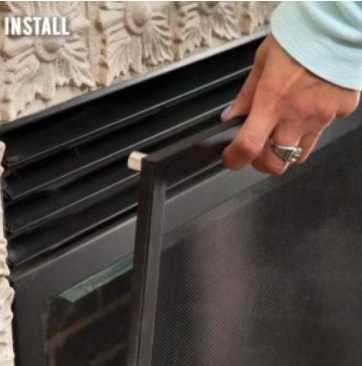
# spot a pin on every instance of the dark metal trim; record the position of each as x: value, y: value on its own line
x: 159, y: 171
x: 35, y: 286
x: 152, y: 198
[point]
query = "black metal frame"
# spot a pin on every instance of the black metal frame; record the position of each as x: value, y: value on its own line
x: 35, y: 286
x: 160, y: 171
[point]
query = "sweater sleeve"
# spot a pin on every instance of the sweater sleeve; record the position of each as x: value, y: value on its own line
x: 325, y: 37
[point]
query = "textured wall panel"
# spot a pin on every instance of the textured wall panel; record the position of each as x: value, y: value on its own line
x: 110, y: 41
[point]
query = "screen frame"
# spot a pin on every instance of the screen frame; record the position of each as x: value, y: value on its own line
x: 161, y: 171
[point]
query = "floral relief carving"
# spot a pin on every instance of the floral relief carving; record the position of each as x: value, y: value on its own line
x: 201, y: 22
x: 36, y: 66
x: 135, y: 35
x: 218, y: 18
x: 187, y: 31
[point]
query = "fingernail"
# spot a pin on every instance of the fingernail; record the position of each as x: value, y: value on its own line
x: 225, y: 113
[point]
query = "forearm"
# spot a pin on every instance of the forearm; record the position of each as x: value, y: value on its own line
x: 325, y: 37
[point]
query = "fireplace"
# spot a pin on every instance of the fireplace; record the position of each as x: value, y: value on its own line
x: 71, y: 212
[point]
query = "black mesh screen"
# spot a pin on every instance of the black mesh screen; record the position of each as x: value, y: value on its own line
x: 271, y: 280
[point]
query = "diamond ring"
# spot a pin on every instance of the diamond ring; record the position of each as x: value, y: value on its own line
x: 290, y: 154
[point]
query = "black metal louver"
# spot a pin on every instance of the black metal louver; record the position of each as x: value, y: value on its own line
x: 66, y: 168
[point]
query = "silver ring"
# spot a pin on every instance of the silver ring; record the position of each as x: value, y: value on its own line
x: 290, y: 154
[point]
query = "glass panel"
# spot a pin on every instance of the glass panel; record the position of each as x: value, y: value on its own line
x: 270, y: 277
x: 88, y: 323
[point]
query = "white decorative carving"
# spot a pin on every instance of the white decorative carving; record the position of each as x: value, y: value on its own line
x: 187, y: 30
x: 109, y: 41
x: 135, y: 34
x: 200, y: 22
x: 36, y: 66
x: 6, y: 294
x: 218, y: 18
x: 4, y: 270
x: 255, y: 14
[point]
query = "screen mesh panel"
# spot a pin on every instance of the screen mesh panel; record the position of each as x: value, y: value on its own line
x: 272, y: 276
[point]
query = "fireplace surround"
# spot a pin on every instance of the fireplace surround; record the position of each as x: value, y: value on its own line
x: 71, y: 209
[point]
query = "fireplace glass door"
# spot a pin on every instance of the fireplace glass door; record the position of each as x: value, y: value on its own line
x: 243, y: 269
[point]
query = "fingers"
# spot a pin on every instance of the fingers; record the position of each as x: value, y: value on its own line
x: 277, y: 99
x: 252, y: 137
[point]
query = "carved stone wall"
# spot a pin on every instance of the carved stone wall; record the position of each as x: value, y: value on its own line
x: 6, y: 293
x: 110, y: 41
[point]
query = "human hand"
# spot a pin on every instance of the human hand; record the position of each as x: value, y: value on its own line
x: 285, y: 102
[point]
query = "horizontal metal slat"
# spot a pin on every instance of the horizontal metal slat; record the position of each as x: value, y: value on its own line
x: 41, y: 208
x: 133, y: 103
x: 71, y: 164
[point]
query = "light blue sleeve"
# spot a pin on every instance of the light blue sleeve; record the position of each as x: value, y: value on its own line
x: 325, y: 37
